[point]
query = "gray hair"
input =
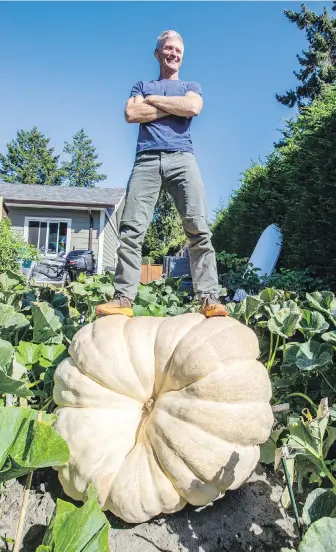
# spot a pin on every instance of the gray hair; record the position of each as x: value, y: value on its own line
x: 163, y: 36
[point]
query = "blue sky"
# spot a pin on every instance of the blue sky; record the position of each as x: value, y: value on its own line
x: 71, y: 65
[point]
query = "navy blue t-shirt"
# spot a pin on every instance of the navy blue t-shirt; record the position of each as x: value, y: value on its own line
x: 171, y: 133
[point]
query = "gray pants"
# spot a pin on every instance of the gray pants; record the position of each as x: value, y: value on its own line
x: 178, y: 172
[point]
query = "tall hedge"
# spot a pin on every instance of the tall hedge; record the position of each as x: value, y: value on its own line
x: 295, y: 188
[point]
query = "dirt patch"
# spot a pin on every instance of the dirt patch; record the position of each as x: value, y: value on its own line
x: 247, y: 520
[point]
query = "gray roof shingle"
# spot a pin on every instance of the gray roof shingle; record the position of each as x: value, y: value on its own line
x: 60, y: 195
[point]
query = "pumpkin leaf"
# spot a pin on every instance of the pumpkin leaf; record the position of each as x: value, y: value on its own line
x: 332, y: 413
x: 28, y: 353
x: 11, y: 298
x: 267, y: 450
x: 173, y: 310
x: 106, y: 289
x: 252, y: 306
x: 284, y: 322
x: 13, y: 386
x: 270, y: 295
x: 156, y: 310
x: 10, y: 319
x: 320, y: 503
x: 290, y: 353
x: 9, y: 280
x: 72, y: 529
x: 60, y: 302
x: 6, y: 354
x: 11, y: 372
x: 69, y: 330
x: 323, y: 301
x: 312, y: 355
x: 320, y: 537
x: 18, y: 370
x: 311, y: 323
x: 146, y: 297
x: 47, y: 322
x: 53, y: 354
x: 330, y: 440
x: 236, y: 310
x: 330, y: 337
x: 171, y: 298
x: 27, y: 444
x: 78, y: 289
x: 139, y: 310
x: 305, y: 443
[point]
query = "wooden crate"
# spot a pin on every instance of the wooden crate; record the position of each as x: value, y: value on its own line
x: 150, y: 272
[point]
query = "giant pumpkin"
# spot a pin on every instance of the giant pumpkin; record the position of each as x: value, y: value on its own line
x: 159, y: 412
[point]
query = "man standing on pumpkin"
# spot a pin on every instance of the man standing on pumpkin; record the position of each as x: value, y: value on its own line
x: 164, y: 158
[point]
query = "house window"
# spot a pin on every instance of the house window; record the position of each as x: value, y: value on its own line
x: 49, y: 237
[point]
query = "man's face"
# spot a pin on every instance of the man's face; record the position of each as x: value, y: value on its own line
x: 171, y: 53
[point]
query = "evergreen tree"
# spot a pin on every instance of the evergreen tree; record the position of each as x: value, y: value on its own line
x: 29, y: 160
x: 165, y: 234
x: 81, y: 170
x: 318, y: 63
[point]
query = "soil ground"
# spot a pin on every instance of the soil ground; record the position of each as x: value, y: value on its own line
x: 250, y: 519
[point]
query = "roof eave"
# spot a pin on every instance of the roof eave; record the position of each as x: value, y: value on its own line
x: 58, y: 203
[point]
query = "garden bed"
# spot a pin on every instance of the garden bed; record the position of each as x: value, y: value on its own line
x: 249, y: 519
x: 297, y: 339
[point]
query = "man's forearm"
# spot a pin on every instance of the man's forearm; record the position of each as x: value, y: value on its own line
x: 183, y: 106
x: 143, y: 112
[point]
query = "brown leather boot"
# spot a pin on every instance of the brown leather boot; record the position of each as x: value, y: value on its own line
x: 118, y: 305
x: 211, y: 306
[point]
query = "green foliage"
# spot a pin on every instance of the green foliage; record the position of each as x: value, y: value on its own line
x: 36, y: 326
x: 282, y: 321
x: 320, y: 503
x: 302, y: 372
x: 12, y: 373
x: 162, y: 298
x: 238, y: 226
x: 29, y: 160
x: 300, y: 281
x: 318, y: 62
x: 27, y: 444
x: 296, y: 189
x: 236, y: 273
x: 73, y: 529
x: 296, y: 344
x: 320, y: 537
x: 165, y: 235
x: 13, y: 249
x: 82, y: 168
x: 306, y: 443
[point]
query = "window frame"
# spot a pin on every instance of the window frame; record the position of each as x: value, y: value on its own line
x: 48, y: 220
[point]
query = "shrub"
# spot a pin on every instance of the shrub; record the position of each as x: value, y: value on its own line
x: 13, y: 248
x: 237, y: 273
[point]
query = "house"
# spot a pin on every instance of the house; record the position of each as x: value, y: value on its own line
x: 59, y: 218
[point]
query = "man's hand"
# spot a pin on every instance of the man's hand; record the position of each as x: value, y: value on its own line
x: 189, y: 105
x: 137, y: 110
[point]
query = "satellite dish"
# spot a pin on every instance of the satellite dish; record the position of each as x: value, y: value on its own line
x: 267, y: 251
x: 265, y: 255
